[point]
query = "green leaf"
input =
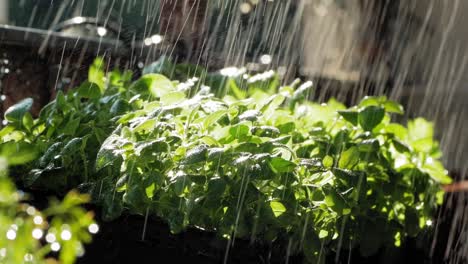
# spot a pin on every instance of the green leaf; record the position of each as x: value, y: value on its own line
x: 349, y: 158
x: 328, y: 161
x: 108, y: 153
x: 336, y: 201
x: 89, y: 90
x: 150, y: 191
x: 281, y: 165
x: 372, y: 101
x: 172, y: 98
x: 155, y: 84
x: 195, y: 155
x: 277, y: 208
x: 71, y: 127
x: 239, y: 131
x: 152, y: 147
x: 16, y: 112
x: 216, y: 187
x: 369, y: 145
x: 120, y: 107
x: 18, y: 153
x: 213, y: 118
x: 323, y: 233
x: 28, y: 121
x: 419, y: 128
x: 145, y: 126
x: 96, y: 73
x: 350, y: 116
x: 136, y: 198
x: 393, y: 107
x: 50, y: 153
x: 73, y: 146
x: 437, y: 171
x: 370, y: 117
x: 423, y: 144
x: 398, y: 130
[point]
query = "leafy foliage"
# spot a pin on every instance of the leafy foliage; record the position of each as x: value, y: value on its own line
x: 29, y: 235
x: 260, y: 162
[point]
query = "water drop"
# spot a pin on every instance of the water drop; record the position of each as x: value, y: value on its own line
x: 245, y: 8
x: 148, y: 41
x: 93, y: 228
x: 156, y: 39
x: 11, y: 234
x: 37, y: 233
x: 28, y: 257
x: 38, y: 220
x: 50, y: 238
x: 55, y: 246
x: 66, y: 235
x: 31, y: 210
x: 265, y: 59
x: 101, y: 31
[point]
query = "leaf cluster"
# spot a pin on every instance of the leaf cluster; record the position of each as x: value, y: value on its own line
x: 260, y: 162
x: 29, y: 235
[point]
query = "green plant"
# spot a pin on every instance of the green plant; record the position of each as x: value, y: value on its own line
x: 260, y: 163
x: 28, y: 235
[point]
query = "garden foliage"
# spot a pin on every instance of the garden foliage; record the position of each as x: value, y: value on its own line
x: 245, y: 158
x: 30, y: 235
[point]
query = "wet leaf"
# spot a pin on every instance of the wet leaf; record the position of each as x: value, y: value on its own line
x: 281, y: 165
x: 16, y: 112
x: 89, y: 90
x: 277, y: 208
x: 349, y: 158
x: 370, y: 117
x: 350, y: 116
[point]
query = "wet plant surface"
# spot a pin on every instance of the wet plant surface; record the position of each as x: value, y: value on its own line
x: 197, y: 144
x: 261, y: 164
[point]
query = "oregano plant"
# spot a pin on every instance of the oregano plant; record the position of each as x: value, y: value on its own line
x: 246, y: 158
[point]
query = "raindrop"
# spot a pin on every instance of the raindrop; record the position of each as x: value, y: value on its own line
x: 79, y: 250
x: 55, y: 246
x: 265, y: 59
x: 28, y: 257
x: 78, y: 20
x: 101, y: 31
x: 156, y: 39
x: 245, y: 8
x: 11, y: 234
x: 38, y: 220
x: 37, y: 233
x: 93, y: 228
x: 50, y: 238
x: 148, y: 41
x: 31, y: 210
x: 66, y: 235
x: 232, y: 71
